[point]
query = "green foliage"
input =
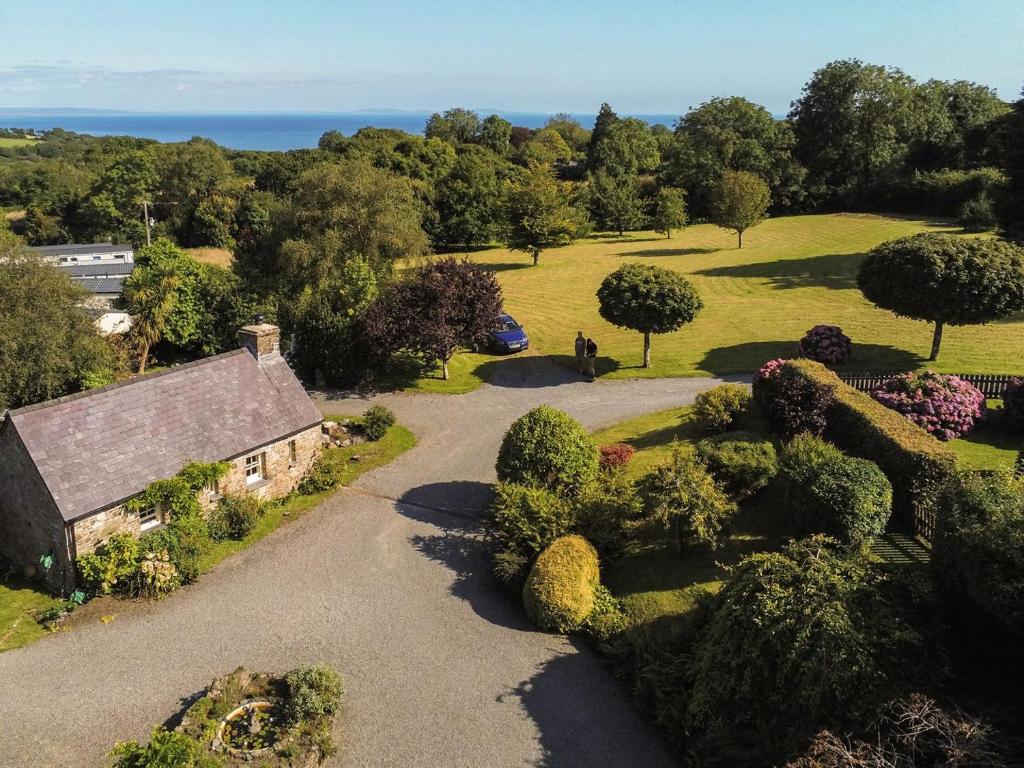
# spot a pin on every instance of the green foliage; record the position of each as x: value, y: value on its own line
x: 625, y: 147
x: 945, y: 279
x: 669, y: 211
x: 740, y: 201
x: 978, y: 214
x: 681, y: 494
x: 149, y: 296
x: 111, y: 566
x: 800, y: 639
x: 743, y: 462
x: 615, y: 202
x: 539, y: 213
x: 197, y: 474
x: 978, y: 552
x: 377, y: 421
x: 314, y: 692
x: 321, y: 476
x: 607, y: 511
x: 649, y: 299
x: 166, y: 749
x: 47, y: 342
x: 717, y: 409
x: 606, y: 618
x: 916, y: 463
x: 795, y: 403
x: 547, y: 447
x: 468, y: 201
x: 235, y: 517
x: 828, y: 492
x: 560, y: 591
x: 528, y: 518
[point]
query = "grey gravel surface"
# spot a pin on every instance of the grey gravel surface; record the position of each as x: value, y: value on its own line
x: 388, y: 582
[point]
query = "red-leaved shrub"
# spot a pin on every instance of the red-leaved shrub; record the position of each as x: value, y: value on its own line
x: 616, y: 455
x: 946, y: 406
x: 826, y: 344
x: 763, y: 376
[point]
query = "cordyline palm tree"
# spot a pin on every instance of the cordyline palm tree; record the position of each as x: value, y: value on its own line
x: 149, y: 294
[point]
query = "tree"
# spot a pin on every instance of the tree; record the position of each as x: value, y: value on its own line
x: 615, y: 201
x: 669, y: 211
x: 957, y: 122
x: 547, y: 447
x: 740, y: 201
x: 538, y: 212
x: 606, y: 117
x: 468, y: 201
x: 574, y: 134
x: 445, y: 306
x: 648, y: 299
x: 545, y: 147
x: 1009, y: 141
x: 149, y: 295
x: 47, y: 341
x: 945, y: 280
x: 455, y: 126
x: 626, y: 147
x: 495, y: 133
x: 733, y: 134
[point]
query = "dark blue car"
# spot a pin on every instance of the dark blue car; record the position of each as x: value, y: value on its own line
x: 510, y: 336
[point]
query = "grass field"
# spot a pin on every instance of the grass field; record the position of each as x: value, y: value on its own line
x: 20, y: 602
x: 792, y: 273
x: 9, y: 142
x: 220, y: 257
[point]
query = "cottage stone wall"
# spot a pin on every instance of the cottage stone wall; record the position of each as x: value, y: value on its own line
x: 30, y: 524
x: 281, y: 476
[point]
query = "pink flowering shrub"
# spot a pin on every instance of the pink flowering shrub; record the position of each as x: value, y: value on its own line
x: 826, y: 344
x: 946, y: 406
x: 764, y: 373
x: 1013, y: 401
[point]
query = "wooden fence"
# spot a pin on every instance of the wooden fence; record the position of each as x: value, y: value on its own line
x: 991, y: 384
x: 924, y: 521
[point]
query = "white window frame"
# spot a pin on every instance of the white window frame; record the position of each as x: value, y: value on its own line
x: 255, y: 468
x: 212, y: 490
x: 149, y: 518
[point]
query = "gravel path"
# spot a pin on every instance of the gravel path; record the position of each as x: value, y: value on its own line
x: 387, y: 581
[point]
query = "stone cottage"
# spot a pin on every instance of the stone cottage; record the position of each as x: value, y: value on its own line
x: 67, y: 466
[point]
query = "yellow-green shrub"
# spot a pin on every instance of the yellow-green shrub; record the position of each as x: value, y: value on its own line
x: 560, y: 590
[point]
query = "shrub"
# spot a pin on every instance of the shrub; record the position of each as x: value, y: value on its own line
x: 716, y: 410
x: 799, y: 640
x: 795, y: 403
x: 321, y: 476
x: 547, y: 447
x: 528, y: 518
x: 606, y: 510
x: 681, y: 494
x: 606, y: 619
x: 978, y: 214
x: 763, y: 378
x: 916, y: 463
x: 511, y: 568
x: 377, y: 421
x: 615, y: 456
x: 826, y: 344
x: 185, y: 539
x: 111, y: 566
x: 1013, y: 402
x: 560, y: 591
x: 978, y: 552
x: 165, y: 748
x: 313, y: 692
x: 828, y: 492
x: 236, y: 517
x: 156, y: 575
x: 743, y: 462
x: 1018, y: 465
x: 945, y: 406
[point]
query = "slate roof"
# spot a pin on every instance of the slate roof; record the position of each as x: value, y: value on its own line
x: 100, y: 284
x: 99, y: 448
x: 99, y: 269
x: 80, y: 249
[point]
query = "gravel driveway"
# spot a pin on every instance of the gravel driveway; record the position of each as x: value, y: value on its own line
x: 387, y: 582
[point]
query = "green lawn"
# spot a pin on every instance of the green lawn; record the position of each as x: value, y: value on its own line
x: 8, y: 142
x: 19, y: 603
x: 792, y: 273
x: 991, y: 445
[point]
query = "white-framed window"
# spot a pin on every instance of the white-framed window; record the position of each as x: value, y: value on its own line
x: 292, y: 453
x: 254, y: 469
x: 212, y: 489
x: 149, y: 518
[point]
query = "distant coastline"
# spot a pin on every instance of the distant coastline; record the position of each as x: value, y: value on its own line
x: 280, y: 131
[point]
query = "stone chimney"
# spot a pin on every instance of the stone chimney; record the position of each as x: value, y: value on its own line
x: 263, y: 340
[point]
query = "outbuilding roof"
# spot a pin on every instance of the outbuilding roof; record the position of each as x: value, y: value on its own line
x: 99, y: 448
x: 99, y: 268
x: 100, y: 285
x: 81, y: 249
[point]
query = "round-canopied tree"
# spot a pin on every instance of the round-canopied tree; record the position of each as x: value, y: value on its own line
x: 740, y: 201
x: 547, y: 447
x: 648, y: 299
x: 945, y: 280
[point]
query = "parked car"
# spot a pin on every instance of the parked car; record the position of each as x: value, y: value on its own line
x: 510, y: 336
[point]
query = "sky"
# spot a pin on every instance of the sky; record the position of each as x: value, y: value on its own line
x: 646, y: 56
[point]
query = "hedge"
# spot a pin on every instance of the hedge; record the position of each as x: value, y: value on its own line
x: 916, y: 463
x: 560, y: 591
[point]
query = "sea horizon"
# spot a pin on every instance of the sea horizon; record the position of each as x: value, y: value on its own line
x: 265, y: 130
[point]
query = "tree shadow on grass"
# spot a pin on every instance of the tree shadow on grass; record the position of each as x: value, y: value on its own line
x: 583, y: 717
x: 751, y: 355
x: 506, y: 266
x: 834, y: 270
x: 669, y: 252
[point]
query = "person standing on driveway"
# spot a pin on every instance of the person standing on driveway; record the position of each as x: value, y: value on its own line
x: 591, y: 359
x: 581, y: 351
